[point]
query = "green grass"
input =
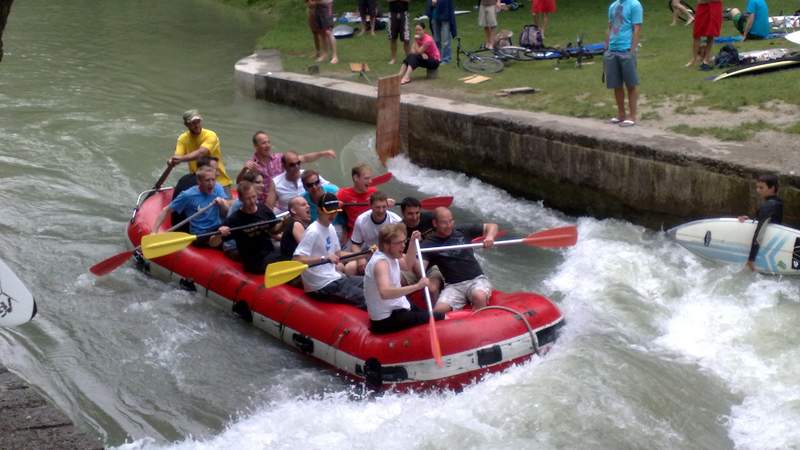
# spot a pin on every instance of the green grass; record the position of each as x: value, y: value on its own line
x: 741, y: 132
x: 568, y: 91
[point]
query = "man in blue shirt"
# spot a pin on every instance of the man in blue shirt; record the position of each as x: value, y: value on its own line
x: 619, y: 61
x: 754, y: 24
x: 194, y: 199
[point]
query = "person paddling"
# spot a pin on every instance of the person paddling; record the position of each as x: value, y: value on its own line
x: 389, y: 309
x: 197, y: 141
x: 192, y: 200
x: 463, y: 276
x: 254, y: 244
x: 770, y: 211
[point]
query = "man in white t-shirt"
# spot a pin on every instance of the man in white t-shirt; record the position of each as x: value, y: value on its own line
x: 321, y: 245
x: 289, y: 184
x: 365, y: 228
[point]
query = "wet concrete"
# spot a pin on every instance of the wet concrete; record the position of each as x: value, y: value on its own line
x: 29, y: 421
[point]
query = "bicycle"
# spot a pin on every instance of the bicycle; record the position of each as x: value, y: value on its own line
x: 477, y: 63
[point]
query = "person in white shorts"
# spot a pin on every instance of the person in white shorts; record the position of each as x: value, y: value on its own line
x: 463, y: 277
x: 487, y: 18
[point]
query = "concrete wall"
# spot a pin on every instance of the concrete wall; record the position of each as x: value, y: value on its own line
x: 579, y: 166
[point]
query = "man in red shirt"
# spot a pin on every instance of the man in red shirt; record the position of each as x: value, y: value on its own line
x: 360, y: 193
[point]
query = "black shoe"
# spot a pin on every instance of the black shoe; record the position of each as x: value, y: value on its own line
x: 705, y: 67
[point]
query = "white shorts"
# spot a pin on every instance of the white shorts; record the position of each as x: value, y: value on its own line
x: 457, y: 295
x: 487, y: 16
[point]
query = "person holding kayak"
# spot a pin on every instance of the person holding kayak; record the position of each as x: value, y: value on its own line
x: 770, y: 211
x: 197, y: 141
x: 320, y: 244
x: 254, y: 244
x: 389, y: 309
x: 193, y: 199
x: 463, y: 277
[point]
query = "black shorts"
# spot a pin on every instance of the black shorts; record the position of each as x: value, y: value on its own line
x: 368, y: 8
x: 322, y: 19
x: 349, y: 290
x: 398, y: 26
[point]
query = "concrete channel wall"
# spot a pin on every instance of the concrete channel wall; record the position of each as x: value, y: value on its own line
x: 579, y: 166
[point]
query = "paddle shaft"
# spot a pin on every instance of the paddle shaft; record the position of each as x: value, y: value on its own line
x: 476, y: 245
x: 343, y: 258
x: 160, y: 181
x: 428, y: 203
x: 435, y: 348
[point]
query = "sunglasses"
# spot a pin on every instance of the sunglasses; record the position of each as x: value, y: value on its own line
x: 293, y: 164
x: 312, y: 184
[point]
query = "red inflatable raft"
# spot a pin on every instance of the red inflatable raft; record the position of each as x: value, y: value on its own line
x: 512, y: 329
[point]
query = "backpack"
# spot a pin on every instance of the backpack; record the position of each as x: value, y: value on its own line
x: 531, y: 37
x: 728, y: 56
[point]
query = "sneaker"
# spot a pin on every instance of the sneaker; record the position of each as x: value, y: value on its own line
x: 705, y: 67
x: 614, y: 120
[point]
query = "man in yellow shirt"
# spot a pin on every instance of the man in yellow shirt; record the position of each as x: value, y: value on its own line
x: 197, y: 142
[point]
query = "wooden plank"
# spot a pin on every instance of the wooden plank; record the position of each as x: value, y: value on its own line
x: 387, y: 130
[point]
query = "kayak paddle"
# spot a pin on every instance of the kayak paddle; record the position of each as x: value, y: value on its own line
x: 553, y: 238
x: 285, y: 271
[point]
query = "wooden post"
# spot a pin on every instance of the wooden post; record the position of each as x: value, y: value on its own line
x: 387, y: 131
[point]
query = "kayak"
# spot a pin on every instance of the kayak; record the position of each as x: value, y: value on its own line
x: 17, y: 305
x: 514, y: 327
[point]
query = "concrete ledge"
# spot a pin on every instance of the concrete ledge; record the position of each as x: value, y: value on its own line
x: 29, y: 422
x: 575, y: 165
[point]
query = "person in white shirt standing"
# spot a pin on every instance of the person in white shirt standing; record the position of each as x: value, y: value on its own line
x: 389, y: 309
x: 365, y: 228
x: 321, y: 244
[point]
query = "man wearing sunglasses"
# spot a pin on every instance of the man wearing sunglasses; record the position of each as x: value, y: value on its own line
x: 289, y: 184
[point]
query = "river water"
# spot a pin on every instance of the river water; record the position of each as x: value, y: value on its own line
x: 661, y: 350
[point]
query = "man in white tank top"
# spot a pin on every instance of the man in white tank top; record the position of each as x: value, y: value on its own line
x: 389, y: 309
x: 365, y: 229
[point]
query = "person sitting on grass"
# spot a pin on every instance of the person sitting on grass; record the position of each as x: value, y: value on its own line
x: 754, y: 23
x: 423, y: 54
x: 389, y: 309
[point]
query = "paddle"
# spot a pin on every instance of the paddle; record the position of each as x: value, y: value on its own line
x: 499, y: 234
x: 284, y: 271
x: 435, y: 348
x: 108, y: 265
x: 381, y: 179
x: 553, y: 238
x: 427, y: 203
x: 162, y: 244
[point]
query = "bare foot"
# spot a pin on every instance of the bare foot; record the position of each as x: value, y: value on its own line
x: 672, y: 24
x: 691, y: 19
x: 322, y: 57
x: 372, y: 32
x: 392, y: 61
x: 360, y: 33
x: 405, y: 81
x: 334, y: 60
x: 691, y: 63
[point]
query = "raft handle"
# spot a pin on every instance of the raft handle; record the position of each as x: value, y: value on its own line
x: 534, y: 338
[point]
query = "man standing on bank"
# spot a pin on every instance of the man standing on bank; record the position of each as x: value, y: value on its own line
x: 619, y: 61
x: 197, y: 141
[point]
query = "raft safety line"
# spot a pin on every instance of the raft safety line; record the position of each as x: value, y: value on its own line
x: 534, y: 339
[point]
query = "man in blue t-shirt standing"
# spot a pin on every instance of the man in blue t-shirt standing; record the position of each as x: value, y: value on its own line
x: 754, y: 24
x: 619, y: 61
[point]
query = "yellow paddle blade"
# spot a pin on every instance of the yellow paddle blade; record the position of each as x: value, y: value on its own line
x: 282, y: 272
x: 156, y: 245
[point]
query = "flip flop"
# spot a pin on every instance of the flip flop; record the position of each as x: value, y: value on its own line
x: 627, y: 123
x: 405, y: 82
x: 614, y: 120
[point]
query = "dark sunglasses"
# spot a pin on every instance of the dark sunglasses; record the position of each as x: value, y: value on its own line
x: 312, y: 184
x: 294, y: 164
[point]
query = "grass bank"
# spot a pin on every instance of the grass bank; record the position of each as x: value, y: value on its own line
x: 566, y: 90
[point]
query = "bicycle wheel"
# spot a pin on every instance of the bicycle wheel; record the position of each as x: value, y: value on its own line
x: 476, y: 64
x: 516, y: 53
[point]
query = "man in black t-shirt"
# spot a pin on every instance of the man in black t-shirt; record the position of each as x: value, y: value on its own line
x: 416, y: 220
x: 463, y: 276
x: 254, y: 244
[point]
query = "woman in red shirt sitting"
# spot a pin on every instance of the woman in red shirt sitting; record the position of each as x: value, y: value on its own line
x: 423, y: 54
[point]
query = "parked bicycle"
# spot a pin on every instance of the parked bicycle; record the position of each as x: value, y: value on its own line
x: 477, y: 63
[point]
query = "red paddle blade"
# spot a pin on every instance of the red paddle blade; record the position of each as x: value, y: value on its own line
x: 435, y: 348
x: 553, y: 238
x: 436, y: 202
x: 479, y: 239
x: 381, y: 179
x: 107, y: 266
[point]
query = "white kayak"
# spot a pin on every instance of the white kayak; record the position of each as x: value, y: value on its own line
x: 727, y: 240
x: 17, y: 305
x: 793, y: 37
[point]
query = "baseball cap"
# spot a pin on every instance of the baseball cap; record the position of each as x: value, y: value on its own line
x: 328, y: 203
x: 191, y: 115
